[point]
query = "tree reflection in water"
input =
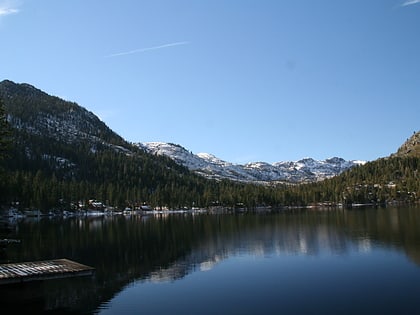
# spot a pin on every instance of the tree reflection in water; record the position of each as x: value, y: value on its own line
x: 166, y: 248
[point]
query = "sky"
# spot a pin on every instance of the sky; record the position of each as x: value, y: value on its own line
x: 245, y: 80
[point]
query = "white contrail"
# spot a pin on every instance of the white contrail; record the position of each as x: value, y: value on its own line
x: 410, y: 2
x: 140, y: 50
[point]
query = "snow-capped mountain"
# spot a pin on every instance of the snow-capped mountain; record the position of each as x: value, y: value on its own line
x: 305, y: 170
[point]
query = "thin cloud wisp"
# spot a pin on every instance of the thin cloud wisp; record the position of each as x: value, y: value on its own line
x: 140, y: 50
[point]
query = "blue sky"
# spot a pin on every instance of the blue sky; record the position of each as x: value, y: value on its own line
x: 245, y: 80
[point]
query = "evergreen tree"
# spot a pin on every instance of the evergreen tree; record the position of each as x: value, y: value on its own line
x: 5, y: 132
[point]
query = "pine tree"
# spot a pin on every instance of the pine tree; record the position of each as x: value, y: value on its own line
x: 5, y: 133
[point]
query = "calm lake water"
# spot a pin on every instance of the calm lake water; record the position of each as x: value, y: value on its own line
x: 361, y: 261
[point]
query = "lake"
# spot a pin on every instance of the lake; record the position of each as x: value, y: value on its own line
x: 358, y: 261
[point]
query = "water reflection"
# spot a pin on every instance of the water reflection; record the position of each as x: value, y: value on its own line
x: 304, y: 233
x: 163, y: 249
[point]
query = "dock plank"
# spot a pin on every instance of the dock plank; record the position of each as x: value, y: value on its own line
x: 42, y: 270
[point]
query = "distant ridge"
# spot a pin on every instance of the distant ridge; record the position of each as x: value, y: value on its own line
x: 207, y: 165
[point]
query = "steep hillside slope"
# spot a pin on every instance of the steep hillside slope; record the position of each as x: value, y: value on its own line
x: 411, y: 147
x: 35, y: 112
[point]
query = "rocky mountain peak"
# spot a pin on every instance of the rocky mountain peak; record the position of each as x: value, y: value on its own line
x: 208, y: 165
x: 411, y: 147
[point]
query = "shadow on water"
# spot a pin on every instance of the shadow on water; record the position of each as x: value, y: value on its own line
x: 161, y: 248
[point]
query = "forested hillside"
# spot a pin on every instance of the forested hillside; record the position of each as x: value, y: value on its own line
x: 61, y: 155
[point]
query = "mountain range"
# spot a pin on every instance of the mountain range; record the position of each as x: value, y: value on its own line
x: 62, y: 154
x: 209, y: 166
x: 48, y: 116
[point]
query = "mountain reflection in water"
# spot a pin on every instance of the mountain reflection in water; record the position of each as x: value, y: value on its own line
x: 153, y: 249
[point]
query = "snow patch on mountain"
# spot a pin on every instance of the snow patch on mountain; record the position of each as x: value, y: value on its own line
x: 208, y: 165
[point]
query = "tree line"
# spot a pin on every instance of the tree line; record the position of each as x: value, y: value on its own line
x: 42, y: 172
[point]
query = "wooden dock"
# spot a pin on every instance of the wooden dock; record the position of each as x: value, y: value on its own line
x: 42, y: 270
